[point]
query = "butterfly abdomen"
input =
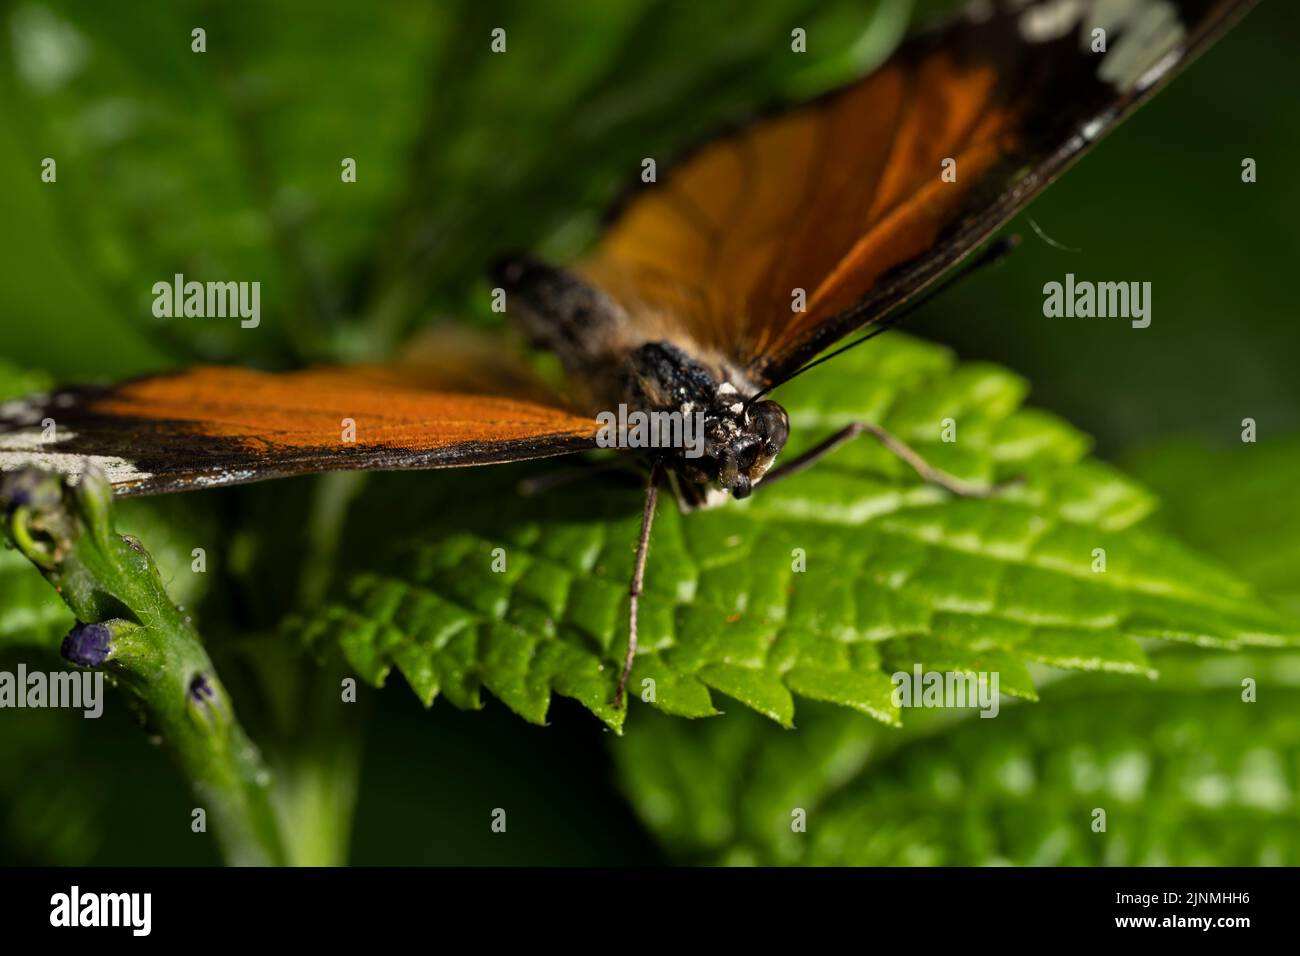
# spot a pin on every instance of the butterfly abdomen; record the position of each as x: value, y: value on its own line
x: 565, y: 315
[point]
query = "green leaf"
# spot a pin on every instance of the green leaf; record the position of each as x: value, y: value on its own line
x: 897, y: 572
x: 225, y: 139
x: 1188, y: 771
x: 1185, y: 771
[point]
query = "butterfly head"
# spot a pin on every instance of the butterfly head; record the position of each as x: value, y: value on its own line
x: 741, y: 441
x: 728, y: 440
x: 761, y: 433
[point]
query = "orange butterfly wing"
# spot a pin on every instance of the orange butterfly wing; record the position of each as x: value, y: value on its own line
x: 843, y: 199
x: 214, y: 425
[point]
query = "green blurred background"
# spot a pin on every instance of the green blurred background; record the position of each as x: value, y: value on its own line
x: 227, y: 164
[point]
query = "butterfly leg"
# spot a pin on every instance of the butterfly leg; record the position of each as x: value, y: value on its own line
x: 638, y: 575
x: 918, y: 464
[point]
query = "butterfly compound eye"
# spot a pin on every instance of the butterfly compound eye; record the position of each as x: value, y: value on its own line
x: 772, y: 423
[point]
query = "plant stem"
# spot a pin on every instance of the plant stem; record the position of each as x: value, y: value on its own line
x: 128, y: 626
x: 313, y: 745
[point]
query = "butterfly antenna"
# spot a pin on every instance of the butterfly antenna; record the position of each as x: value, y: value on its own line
x: 993, y: 253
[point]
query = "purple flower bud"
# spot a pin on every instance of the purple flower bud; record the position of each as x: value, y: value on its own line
x: 28, y: 487
x: 87, y: 645
x: 201, y: 689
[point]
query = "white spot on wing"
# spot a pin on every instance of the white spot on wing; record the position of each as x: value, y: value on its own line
x: 1153, y: 75
x: 23, y: 441
x: 1143, y: 35
x: 220, y: 478
x: 24, y: 411
x: 1092, y: 129
x: 1050, y: 21
x: 116, y: 470
x: 27, y: 449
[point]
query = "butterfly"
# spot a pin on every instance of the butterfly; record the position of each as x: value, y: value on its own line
x: 848, y: 205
